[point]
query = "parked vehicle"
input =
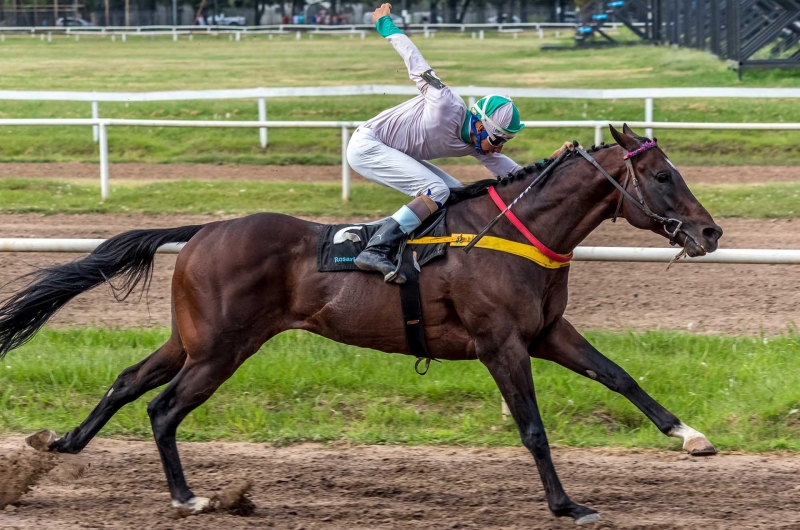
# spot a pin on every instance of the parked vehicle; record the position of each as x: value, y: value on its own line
x: 504, y: 19
x: 222, y: 20
x: 72, y: 21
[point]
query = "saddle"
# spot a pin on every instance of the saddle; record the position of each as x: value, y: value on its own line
x: 339, y: 245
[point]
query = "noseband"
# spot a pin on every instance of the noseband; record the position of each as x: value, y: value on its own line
x: 640, y: 203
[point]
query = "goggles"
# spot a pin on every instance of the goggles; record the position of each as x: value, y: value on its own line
x: 497, y: 141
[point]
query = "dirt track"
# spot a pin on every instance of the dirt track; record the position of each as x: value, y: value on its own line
x: 730, y: 299
x: 312, y: 486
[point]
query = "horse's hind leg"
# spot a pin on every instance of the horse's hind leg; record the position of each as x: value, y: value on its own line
x: 562, y: 344
x: 195, y: 383
x: 157, y: 369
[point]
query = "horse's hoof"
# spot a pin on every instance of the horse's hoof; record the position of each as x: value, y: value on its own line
x: 699, y: 446
x: 588, y: 519
x: 42, y: 440
x: 193, y: 506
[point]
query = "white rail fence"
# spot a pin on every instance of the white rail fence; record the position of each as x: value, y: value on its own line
x: 238, y: 33
x: 470, y: 92
x: 617, y: 254
x: 261, y: 95
x: 290, y: 28
x: 345, y: 126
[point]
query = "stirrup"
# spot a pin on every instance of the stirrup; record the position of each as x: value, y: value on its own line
x: 392, y: 276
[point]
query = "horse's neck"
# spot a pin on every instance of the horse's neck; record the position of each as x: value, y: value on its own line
x: 574, y: 200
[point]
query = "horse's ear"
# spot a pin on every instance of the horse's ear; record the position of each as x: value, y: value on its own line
x: 627, y: 130
x: 625, y: 140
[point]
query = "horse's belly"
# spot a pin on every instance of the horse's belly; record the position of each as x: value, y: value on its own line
x: 364, y: 311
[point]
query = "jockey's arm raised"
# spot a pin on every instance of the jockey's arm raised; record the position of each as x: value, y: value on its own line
x: 441, y: 107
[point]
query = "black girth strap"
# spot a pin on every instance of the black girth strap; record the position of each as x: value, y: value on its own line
x: 411, y: 305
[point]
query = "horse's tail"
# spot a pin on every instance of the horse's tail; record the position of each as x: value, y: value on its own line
x: 128, y: 256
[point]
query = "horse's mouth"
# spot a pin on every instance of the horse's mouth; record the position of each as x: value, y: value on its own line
x: 692, y: 247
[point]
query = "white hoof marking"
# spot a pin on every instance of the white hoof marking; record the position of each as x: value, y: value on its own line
x: 193, y: 506
x: 586, y: 519
x: 693, y: 441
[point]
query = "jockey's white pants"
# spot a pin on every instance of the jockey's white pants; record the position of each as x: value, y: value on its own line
x: 380, y: 163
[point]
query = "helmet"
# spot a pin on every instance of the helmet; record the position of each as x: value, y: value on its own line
x: 500, y: 118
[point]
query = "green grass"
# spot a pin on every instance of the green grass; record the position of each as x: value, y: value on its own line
x: 209, y: 63
x: 742, y: 392
x: 777, y: 200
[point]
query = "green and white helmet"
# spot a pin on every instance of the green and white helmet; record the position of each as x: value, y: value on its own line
x: 500, y: 117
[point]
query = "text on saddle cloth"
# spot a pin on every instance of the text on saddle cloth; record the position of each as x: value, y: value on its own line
x: 339, y: 245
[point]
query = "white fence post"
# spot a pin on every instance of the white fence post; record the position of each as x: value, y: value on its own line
x: 598, y: 135
x: 103, y: 161
x: 504, y: 410
x: 648, y: 115
x: 345, y: 165
x: 95, y: 116
x: 262, y: 116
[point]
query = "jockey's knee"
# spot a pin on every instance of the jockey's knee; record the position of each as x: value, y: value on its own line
x: 438, y: 193
x: 354, y: 156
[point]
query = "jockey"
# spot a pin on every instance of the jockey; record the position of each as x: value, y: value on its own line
x: 394, y: 147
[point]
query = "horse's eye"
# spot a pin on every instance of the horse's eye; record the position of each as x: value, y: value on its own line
x: 663, y: 178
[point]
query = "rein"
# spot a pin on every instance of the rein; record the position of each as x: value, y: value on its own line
x: 640, y: 202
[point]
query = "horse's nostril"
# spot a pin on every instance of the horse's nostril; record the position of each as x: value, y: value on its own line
x: 712, y: 233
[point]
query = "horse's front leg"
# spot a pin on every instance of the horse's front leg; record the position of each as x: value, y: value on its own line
x: 562, y: 344
x: 510, y: 367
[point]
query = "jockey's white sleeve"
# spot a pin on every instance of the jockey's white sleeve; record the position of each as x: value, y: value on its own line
x: 415, y: 62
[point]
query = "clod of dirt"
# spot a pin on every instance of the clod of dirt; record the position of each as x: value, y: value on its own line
x: 235, y: 499
x: 69, y: 471
x: 20, y: 471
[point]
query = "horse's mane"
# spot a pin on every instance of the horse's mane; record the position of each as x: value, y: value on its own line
x: 481, y: 187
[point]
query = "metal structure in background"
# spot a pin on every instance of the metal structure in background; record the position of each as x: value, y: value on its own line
x: 597, y: 15
x: 748, y: 33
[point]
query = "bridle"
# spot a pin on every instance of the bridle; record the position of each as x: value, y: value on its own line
x: 666, y: 222
x: 639, y: 203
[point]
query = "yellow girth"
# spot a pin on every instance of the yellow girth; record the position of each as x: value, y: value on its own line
x: 494, y: 243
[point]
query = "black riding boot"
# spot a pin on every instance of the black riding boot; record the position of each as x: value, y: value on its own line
x: 375, y: 257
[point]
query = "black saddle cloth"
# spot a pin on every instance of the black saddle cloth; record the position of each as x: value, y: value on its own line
x: 339, y: 245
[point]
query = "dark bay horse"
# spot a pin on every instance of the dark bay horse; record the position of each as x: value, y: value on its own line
x: 238, y: 283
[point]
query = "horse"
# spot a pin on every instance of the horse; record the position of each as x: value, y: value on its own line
x: 238, y: 283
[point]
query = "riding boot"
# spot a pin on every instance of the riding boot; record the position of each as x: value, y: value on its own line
x: 375, y: 257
